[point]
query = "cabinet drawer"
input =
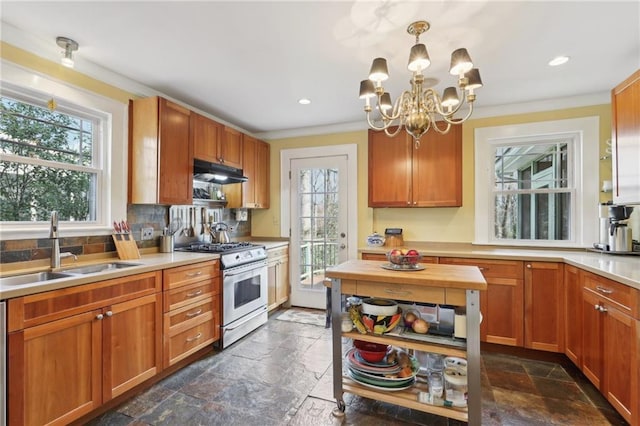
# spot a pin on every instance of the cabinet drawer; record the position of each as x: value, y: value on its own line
x: 502, y: 269
x: 406, y: 292
x: 625, y: 296
x: 278, y: 252
x: 40, y: 308
x: 185, y: 342
x: 188, y: 294
x: 184, y: 275
x: 192, y: 313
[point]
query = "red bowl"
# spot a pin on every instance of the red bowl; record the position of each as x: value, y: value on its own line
x: 369, y: 351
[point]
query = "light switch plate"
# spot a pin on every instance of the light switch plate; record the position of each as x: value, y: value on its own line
x: 147, y: 233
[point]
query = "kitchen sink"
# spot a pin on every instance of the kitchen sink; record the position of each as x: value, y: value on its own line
x: 32, y: 278
x: 103, y: 267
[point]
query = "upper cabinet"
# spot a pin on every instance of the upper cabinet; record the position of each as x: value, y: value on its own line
x: 625, y: 132
x: 401, y: 175
x: 216, y: 143
x: 253, y: 194
x: 160, y: 152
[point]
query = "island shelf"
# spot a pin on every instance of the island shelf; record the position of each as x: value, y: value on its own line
x: 451, y: 284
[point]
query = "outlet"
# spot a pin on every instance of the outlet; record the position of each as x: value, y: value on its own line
x: 147, y: 233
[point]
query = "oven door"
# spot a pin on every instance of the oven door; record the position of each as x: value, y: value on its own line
x: 244, y: 289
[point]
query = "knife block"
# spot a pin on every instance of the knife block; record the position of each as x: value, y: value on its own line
x: 126, y: 246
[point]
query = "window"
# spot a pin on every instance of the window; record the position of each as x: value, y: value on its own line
x: 69, y: 157
x: 534, y: 184
x: 48, y: 162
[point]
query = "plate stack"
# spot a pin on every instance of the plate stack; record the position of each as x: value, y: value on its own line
x: 381, y: 375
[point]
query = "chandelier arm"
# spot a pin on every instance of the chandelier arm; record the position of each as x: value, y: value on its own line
x: 396, y: 111
x: 374, y: 127
x: 392, y: 134
x: 460, y: 120
x: 442, y: 131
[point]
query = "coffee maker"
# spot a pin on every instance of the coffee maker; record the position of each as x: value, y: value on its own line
x: 603, y: 218
x: 619, y: 233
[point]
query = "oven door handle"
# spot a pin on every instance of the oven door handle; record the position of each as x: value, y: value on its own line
x: 247, y: 319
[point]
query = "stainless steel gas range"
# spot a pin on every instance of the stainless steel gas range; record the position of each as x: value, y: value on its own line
x: 244, y: 286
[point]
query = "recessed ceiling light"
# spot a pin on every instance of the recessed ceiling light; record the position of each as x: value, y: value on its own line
x: 304, y: 101
x: 558, y: 60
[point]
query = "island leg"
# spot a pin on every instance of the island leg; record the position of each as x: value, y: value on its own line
x: 474, y: 400
x: 336, y: 334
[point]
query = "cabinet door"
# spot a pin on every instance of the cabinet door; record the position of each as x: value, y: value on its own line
x: 502, y: 304
x: 282, y: 280
x: 176, y: 155
x: 625, y: 129
x: 437, y: 170
x: 573, y: 314
x: 263, y: 171
x: 272, y: 283
x: 249, y: 146
x: 543, y: 306
x: 56, y: 370
x: 205, y: 134
x: 389, y: 170
x: 231, y: 147
x: 132, y: 343
x: 621, y: 362
x: 592, y: 338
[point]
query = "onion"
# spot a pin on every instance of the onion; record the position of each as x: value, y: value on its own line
x: 420, y: 326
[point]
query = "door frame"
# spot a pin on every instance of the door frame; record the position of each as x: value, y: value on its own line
x: 351, y: 152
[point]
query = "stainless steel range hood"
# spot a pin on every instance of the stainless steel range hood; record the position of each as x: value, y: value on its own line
x: 217, y: 173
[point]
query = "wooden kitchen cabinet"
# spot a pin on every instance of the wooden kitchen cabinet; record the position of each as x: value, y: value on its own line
x: 625, y: 133
x: 215, y: 142
x: 68, y: 358
x: 401, y: 175
x: 160, y: 152
x: 253, y: 194
x: 277, y: 276
x: 502, y: 305
x: 231, y: 147
x: 544, y: 306
x: 192, y: 310
x: 573, y: 314
x: 611, y: 339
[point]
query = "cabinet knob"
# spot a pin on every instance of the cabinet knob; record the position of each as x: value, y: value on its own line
x: 528, y: 266
x: 603, y: 309
x: 109, y: 313
x: 408, y: 203
x: 99, y: 316
x: 415, y: 203
x: 596, y: 307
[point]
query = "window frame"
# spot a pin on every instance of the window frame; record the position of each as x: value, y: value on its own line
x: 110, y: 157
x: 583, y: 135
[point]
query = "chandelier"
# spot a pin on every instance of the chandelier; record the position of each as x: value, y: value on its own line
x: 418, y: 109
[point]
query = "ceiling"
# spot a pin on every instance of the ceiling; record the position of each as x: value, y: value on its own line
x: 248, y: 63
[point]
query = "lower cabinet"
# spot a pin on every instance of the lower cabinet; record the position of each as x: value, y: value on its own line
x: 573, y: 314
x: 502, y: 304
x: 544, y: 306
x: 68, y: 358
x: 191, y: 309
x: 277, y: 276
x: 611, y: 340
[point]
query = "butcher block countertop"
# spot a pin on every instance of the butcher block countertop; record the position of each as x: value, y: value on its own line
x: 433, y: 275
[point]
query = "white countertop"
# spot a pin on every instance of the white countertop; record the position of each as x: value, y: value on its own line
x: 622, y: 268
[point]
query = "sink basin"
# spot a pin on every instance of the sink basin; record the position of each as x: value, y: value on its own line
x: 103, y: 267
x: 32, y: 278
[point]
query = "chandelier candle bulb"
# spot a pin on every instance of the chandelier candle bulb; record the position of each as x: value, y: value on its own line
x: 417, y: 110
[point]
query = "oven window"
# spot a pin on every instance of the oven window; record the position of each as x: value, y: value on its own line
x: 246, y: 291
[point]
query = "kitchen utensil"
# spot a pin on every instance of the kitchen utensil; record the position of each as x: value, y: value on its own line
x: 175, y: 226
x: 192, y: 221
x: 202, y: 221
x: 220, y: 232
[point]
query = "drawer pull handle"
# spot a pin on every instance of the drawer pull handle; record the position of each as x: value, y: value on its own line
x: 604, y: 290
x: 194, y: 294
x: 194, y: 274
x: 397, y: 292
x: 196, y: 337
x: 194, y: 314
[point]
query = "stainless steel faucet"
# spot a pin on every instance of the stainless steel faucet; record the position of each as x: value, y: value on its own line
x: 55, y: 243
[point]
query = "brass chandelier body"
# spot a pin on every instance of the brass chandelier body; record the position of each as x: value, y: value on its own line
x: 418, y: 109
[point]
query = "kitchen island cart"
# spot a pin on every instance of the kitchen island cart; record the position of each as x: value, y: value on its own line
x: 437, y: 284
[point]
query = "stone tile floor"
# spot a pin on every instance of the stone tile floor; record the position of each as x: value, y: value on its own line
x: 281, y: 375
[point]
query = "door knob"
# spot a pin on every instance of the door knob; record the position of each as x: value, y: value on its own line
x: 342, y: 234
x: 343, y: 246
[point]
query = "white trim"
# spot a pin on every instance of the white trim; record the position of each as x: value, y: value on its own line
x: 113, y: 202
x: 585, y: 222
x: 351, y: 151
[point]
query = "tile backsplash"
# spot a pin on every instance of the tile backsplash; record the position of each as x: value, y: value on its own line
x: 138, y: 215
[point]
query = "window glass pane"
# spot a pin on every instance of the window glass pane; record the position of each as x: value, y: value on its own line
x: 29, y: 193
x: 531, y: 166
x: 535, y: 216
